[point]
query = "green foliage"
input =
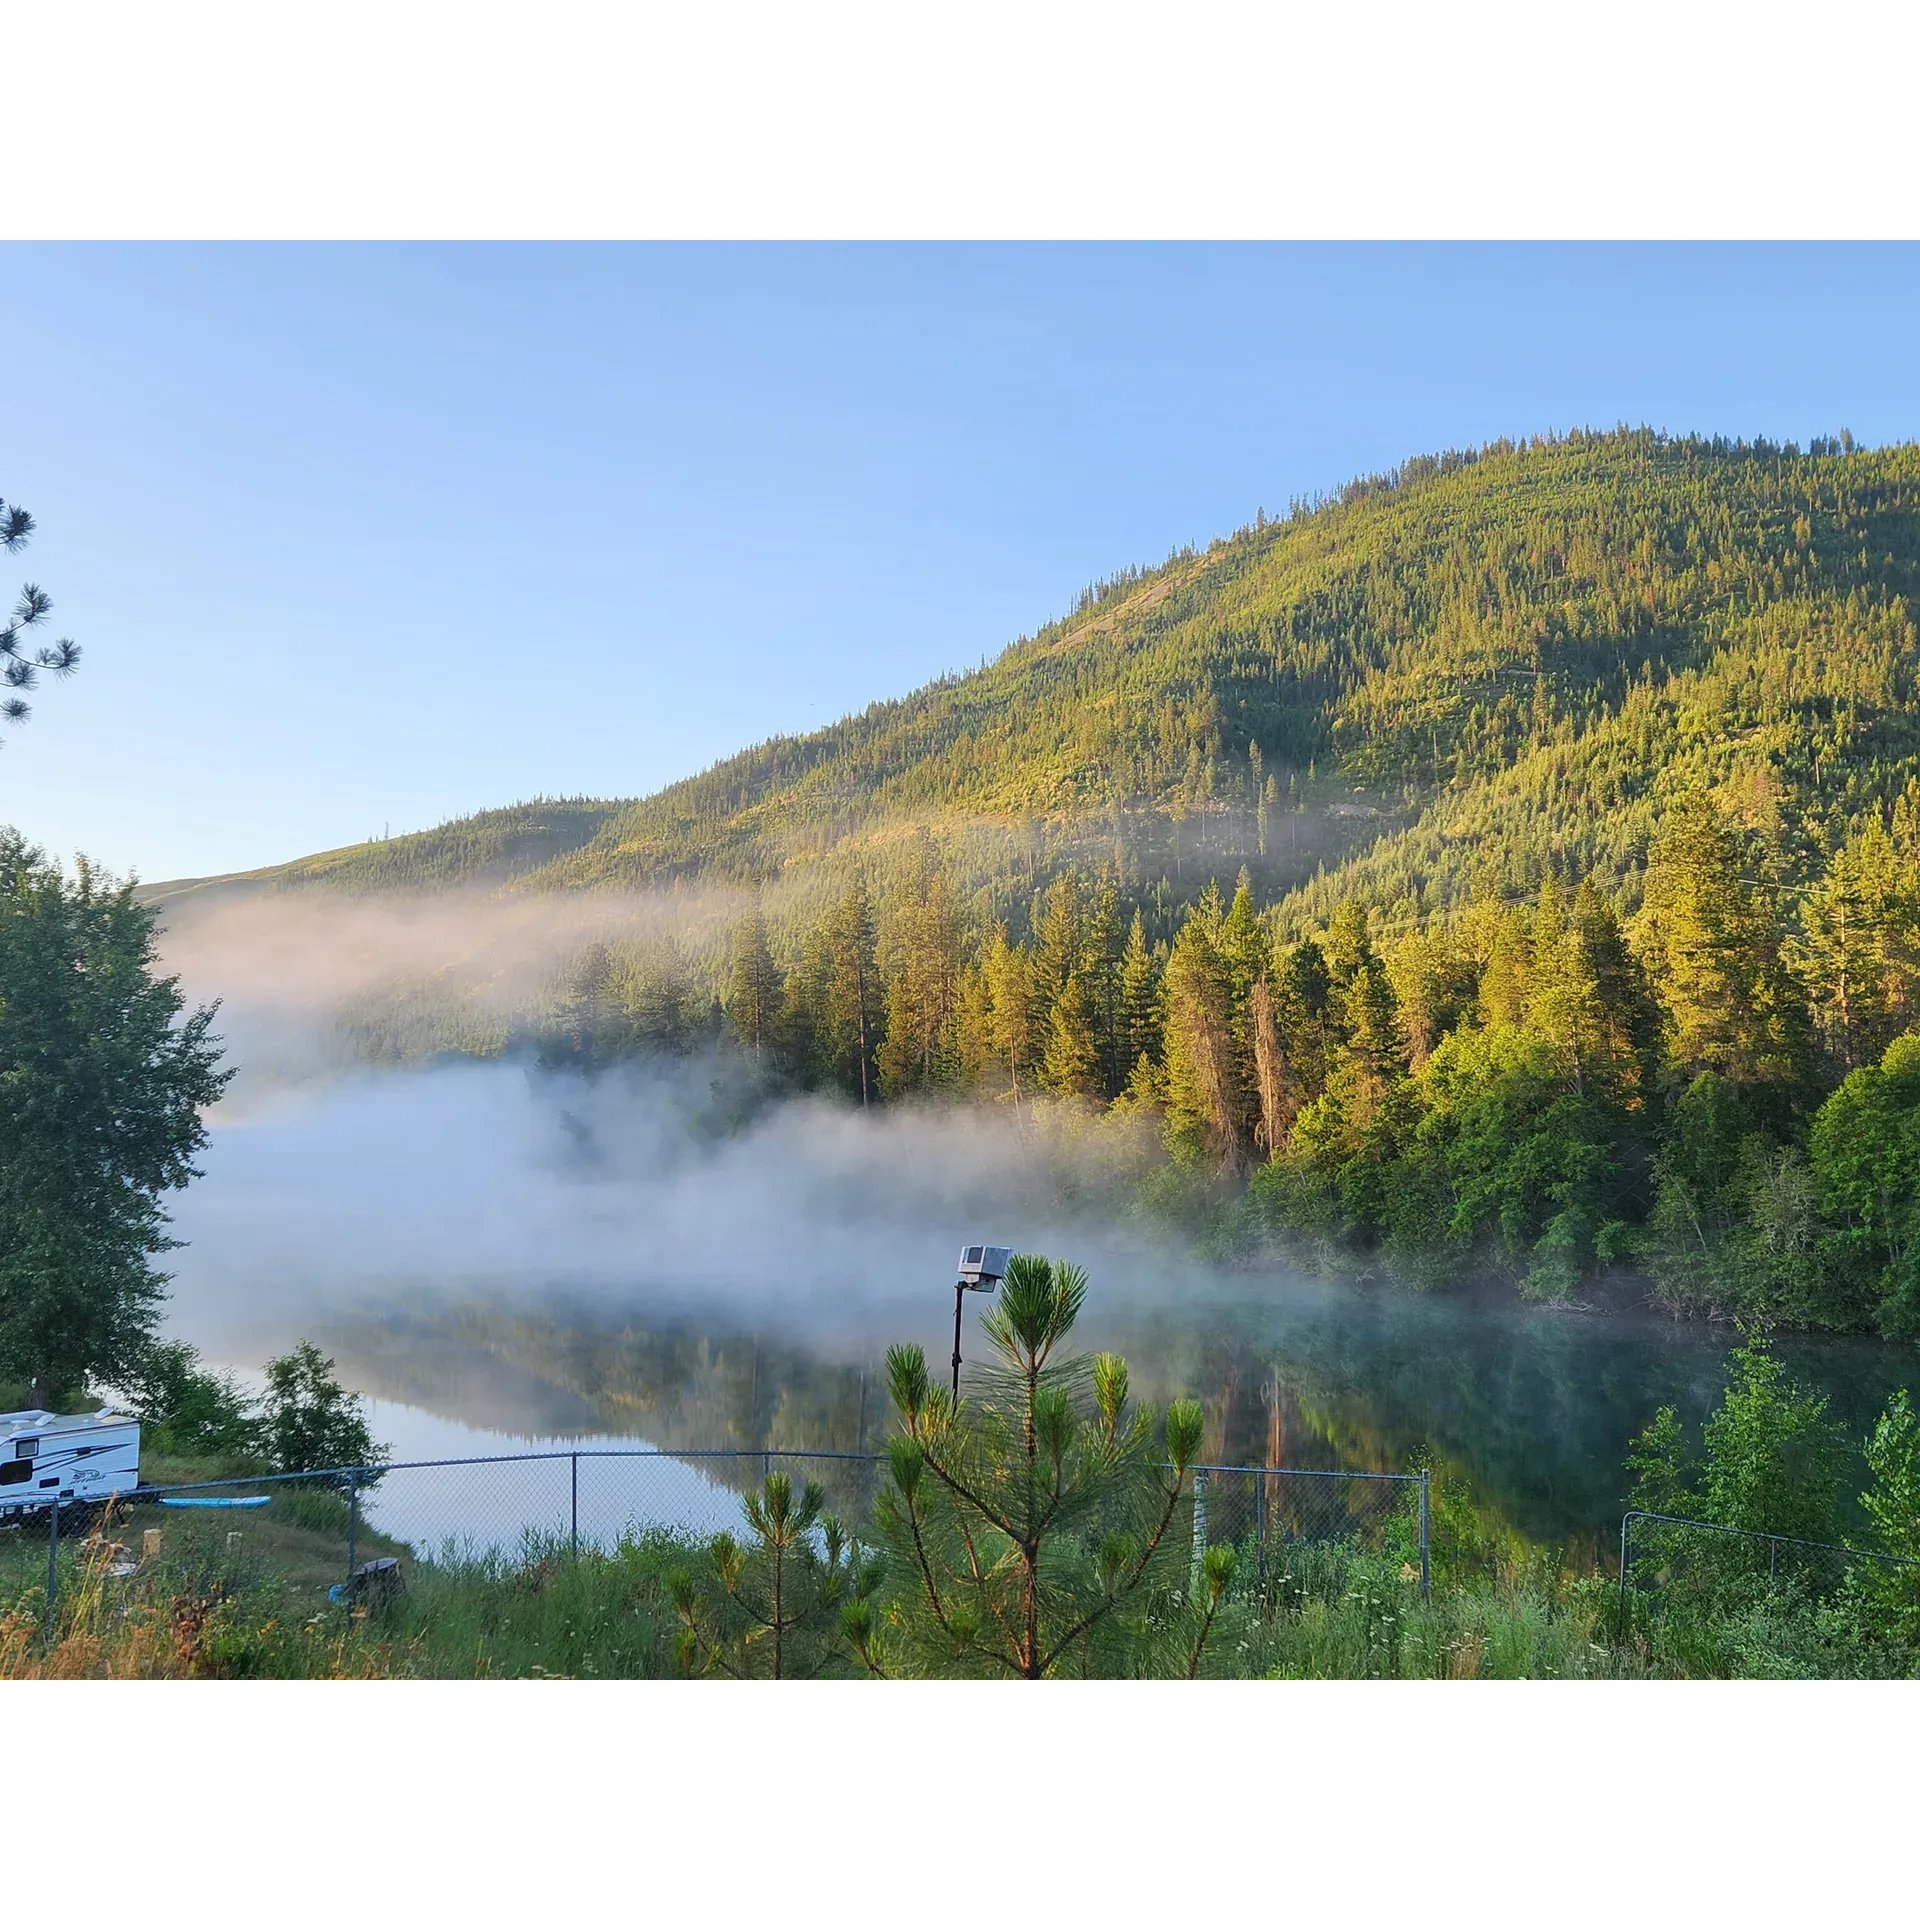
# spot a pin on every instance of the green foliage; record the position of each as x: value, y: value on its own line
x: 1864, y: 1148
x: 185, y: 1408
x: 1709, y: 934
x: 1889, y: 1596
x: 784, y: 1609
x: 1032, y: 1528
x: 21, y: 666
x: 1772, y: 1459
x: 102, y: 1086
x: 309, y: 1420
x: 1659, y: 1470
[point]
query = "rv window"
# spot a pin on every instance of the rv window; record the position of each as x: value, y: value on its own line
x: 12, y: 1472
x: 52, y: 1480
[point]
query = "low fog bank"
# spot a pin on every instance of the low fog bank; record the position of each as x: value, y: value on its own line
x: 291, y: 970
x: 657, y: 1189
x: 664, y: 1188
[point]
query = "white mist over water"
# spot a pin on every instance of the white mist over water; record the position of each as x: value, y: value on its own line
x: 662, y: 1188
x: 504, y: 1181
x: 287, y: 967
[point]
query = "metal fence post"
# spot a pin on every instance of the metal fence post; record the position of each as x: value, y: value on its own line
x: 53, y: 1564
x: 353, y: 1533
x: 573, y: 1526
x: 1626, y: 1551
x: 1426, y: 1534
x: 1199, y: 1517
x: 1260, y: 1523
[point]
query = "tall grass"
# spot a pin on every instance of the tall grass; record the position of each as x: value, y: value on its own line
x: 202, y: 1610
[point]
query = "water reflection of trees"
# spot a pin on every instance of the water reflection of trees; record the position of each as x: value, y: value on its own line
x: 1533, y: 1410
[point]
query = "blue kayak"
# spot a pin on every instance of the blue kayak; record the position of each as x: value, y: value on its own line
x: 248, y: 1500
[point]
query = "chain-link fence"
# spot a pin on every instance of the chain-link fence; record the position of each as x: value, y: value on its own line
x: 1667, y: 1560
x: 343, y: 1535
x: 1265, y: 1513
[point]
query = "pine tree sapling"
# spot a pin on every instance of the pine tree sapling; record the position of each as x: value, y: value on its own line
x: 776, y: 1610
x: 1031, y: 1529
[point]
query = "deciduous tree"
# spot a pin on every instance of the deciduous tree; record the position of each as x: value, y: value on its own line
x: 104, y: 1077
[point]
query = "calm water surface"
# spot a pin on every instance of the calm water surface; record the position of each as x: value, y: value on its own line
x: 1534, y: 1409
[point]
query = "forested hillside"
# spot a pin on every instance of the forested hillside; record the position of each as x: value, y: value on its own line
x: 1504, y: 651
x: 484, y: 849
x: 1512, y: 862
x: 1508, y: 652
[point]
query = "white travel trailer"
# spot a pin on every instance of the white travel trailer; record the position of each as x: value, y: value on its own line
x: 72, y: 1458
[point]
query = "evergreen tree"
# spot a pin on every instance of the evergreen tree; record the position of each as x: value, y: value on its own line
x: 755, y: 987
x: 589, y: 1023
x: 1708, y: 936
x: 852, y: 1005
x: 1303, y: 998
x: 1070, y: 1065
x: 1348, y: 945
x: 1056, y: 956
x: 1436, y: 984
x: 1243, y: 943
x: 1035, y: 1528
x: 1103, y: 951
x: 1858, y: 949
x: 1615, y: 999
x: 20, y: 669
x: 1010, y: 1003
x: 1278, y: 1102
x: 1374, y: 1054
x: 1507, y: 980
x: 1205, y: 1101
x: 804, y: 1036
x: 921, y: 1047
x: 1140, y: 1001
x: 1562, y: 996
x: 661, y: 1007
x: 772, y: 1609
x: 976, y: 1047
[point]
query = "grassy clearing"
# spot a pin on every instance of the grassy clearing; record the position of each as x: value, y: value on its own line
x: 150, y: 1589
x: 198, y: 1606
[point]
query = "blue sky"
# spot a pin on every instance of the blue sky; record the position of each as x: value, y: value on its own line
x: 358, y: 538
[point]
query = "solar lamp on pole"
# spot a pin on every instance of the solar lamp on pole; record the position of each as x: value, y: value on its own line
x: 981, y: 1270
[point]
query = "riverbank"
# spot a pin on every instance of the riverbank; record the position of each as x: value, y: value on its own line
x: 197, y: 1604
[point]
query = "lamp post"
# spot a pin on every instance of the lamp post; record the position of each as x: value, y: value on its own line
x: 981, y: 1270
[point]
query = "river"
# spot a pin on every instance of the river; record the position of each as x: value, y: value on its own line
x: 503, y: 1258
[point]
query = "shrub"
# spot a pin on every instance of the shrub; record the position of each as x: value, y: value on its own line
x: 187, y: 1408
x: 310, y: 1420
